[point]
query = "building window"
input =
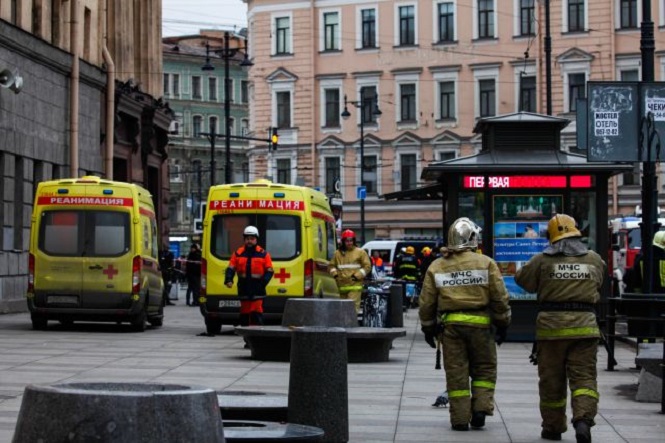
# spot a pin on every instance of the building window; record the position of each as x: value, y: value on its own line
x: 196, y: 86
x: 283, y: 35
x: 447, y: 100
x: 628, y: 14
x: 244, y: 91
x: 331, y: 31
x: 283, y: 109
x: 174, y: 172
x: 575, y: 15
x: 244, y: 127
x: 369, y: 100
x: 232, y: 126
x: 407, y: 94
x: 87, y: 38
x: 446, y: 22
x: 176, y: 85
x: 576, y: 89
x: 369, y: 174
x: 527, y: 17
x: 446, y: 155
x: 196, y: 126
x: 166, y: 85
x: 485, y: 18
x: 332, y: 108
x: 527, y: 94
x: 407, y: 25
x: 284, y: 171
x: 212, y: 88
x: 368, y: 28
x: 213, y: 125
x: 332, y: 174
x: 487, y: 89
x: 633, y: 177
x: 408, y: 171
x: 630, y: 75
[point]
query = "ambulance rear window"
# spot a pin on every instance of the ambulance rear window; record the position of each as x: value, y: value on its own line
x: 84, y: 233
x: 280, y: 235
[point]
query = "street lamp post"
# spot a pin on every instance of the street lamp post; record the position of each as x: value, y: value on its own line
x: 359, y: 104
x: 226, y: 53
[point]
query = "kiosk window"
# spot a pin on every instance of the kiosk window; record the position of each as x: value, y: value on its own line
x: 582, y: 209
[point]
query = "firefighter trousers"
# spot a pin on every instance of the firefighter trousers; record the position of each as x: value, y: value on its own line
x: 352, y: 295
x: 572, y: 361
x: 469, y: 352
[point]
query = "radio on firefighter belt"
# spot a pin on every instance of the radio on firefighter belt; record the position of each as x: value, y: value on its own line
x: 439, y: 344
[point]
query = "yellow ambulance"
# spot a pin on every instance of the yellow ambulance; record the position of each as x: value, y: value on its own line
x: 296, y: 226
x: 94, y: 254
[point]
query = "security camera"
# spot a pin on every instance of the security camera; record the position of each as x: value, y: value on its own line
x: 11, y: 80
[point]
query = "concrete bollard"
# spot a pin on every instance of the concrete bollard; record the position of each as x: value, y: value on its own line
x: 114, y: 412
x: 318, y: 383
x: 395, y: 306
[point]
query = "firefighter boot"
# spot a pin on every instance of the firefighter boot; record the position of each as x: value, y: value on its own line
x: 582, y: 431
x: 478, y: 419
x: 463, y: 427
x: 550, y: 435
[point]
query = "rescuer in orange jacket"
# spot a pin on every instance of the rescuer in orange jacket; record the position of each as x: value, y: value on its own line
x: 254, y: 267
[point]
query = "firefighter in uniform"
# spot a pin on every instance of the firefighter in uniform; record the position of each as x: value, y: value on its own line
x: 254, y: 267
x: 567, y: 277
x: 349, y: 266
x: 465, y: 291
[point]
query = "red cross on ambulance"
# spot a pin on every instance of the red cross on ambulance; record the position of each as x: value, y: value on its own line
x: 282, y: 275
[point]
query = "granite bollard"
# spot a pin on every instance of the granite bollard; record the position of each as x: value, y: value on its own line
x: 318, y: 382
x: 118, y: 412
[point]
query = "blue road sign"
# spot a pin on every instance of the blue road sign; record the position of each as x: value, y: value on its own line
x: 361, y: 192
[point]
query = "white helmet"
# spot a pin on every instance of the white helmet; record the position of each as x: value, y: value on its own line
x: 463, y: 234
x: 251, y: 231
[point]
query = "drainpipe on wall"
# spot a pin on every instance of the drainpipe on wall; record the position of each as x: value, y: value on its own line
x: 110, y: 113
x: 315, y: 42
x: 74, y: 92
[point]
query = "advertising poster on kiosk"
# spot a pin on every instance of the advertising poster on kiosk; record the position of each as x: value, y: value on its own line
x: 520, y: 232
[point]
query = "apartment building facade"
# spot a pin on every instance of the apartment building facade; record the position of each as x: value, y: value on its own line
x: 197, y: 98
x: 432, y: 68
x: 70, y: 117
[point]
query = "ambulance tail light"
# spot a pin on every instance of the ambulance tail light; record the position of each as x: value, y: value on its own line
x: 31, y: 274
x: 204, y: 277
x: 309, y: 278
x: 136, y: 274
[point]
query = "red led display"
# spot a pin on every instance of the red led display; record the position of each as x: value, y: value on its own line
x: 526, y: 181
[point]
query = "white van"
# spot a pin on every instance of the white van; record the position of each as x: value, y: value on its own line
x: 388, y: 249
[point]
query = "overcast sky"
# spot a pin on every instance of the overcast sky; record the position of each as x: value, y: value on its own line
x: 180, y: 17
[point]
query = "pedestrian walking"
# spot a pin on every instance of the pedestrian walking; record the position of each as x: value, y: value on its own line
x: 567, y: 277
x: 464, y: 293
x: 349, y: 266
x: 193, y: 274
x: 253, y: 265
x: 166, y: 263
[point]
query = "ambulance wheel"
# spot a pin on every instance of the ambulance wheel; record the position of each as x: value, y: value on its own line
x: 138, y: 322
x: 39, y: 323
x: 156, y: 321
x: 213, y: 327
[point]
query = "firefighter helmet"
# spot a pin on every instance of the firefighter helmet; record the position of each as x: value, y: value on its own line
x: 659, y: 239
x: 251, y: 231
x: 562, y: 226
x: 410, y: 250
x: 426, y: 251
x: 348, y: 234
x: 463, y: 234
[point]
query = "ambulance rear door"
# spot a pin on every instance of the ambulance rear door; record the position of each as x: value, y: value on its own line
x: 59, y: 245
x: 107, y: 258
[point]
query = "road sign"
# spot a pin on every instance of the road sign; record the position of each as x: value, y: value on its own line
x: 361, y: 192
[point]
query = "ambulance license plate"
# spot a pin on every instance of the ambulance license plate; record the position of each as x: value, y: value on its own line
x: 229, y: 303
x: 63, y: 299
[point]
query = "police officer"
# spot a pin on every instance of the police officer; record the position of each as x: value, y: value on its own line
x: 349, y: 266
x: 254, y: 267
x: 466, y: 293
x: 567, y: 278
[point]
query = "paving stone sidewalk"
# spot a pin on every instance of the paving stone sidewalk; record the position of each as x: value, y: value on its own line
x: 388, y: 402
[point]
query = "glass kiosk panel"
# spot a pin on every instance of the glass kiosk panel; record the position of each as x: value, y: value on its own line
x: 520, y: 232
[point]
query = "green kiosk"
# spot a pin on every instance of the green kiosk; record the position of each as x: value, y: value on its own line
x: 513, y: 186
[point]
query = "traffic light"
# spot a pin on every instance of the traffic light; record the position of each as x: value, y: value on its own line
x: 274, y: 139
